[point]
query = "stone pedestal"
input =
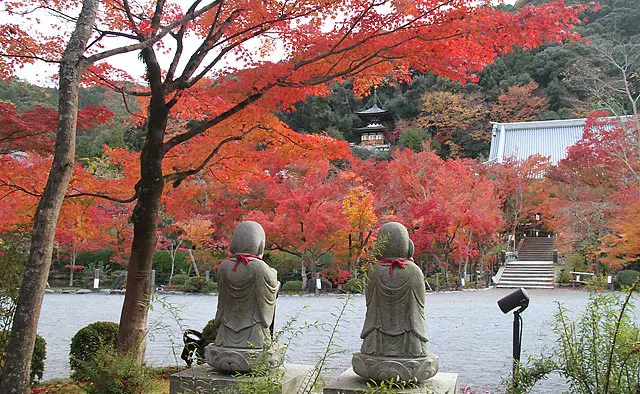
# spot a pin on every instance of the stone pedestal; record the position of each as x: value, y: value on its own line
x: 231, y: 360
x: 404, y: 369
x: 203, y: 379
x: 350, y: 383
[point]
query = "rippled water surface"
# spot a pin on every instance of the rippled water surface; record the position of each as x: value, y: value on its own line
x: 466, y: 329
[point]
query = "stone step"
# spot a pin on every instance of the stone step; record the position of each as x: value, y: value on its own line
x: 526, y: 286
x: 529, y: 275
x: 530, y: 268
x: 522, y: 282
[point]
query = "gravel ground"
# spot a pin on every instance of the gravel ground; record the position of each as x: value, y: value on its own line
x: 466, y: 329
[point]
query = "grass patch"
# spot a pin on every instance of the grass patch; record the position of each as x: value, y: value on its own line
x: 159, y: 386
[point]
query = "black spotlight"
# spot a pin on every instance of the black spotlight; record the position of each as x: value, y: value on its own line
x: 517, y: 299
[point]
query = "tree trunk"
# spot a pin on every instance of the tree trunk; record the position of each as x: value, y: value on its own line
x: 173, y: 252
x: 133, y: 319
x: 193, y: 261
x: 15, y: 374
x: 74, y: 253
x: 303, y: 274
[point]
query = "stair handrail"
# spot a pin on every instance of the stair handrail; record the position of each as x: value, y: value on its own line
x: 520, y: 245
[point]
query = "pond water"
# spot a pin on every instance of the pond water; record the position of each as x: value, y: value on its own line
x: 466, y: 329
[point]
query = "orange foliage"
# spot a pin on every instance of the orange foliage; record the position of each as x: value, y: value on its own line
x: 519, y: 104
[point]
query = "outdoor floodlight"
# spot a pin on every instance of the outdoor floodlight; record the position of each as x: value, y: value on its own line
x: 518, y: 298
x: 508, y: 303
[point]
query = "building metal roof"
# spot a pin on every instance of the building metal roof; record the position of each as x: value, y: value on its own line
x: 521, y: 140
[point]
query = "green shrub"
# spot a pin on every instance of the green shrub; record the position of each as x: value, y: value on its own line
x: 195, y: 284
x: 37, y: 359
x: 565, y: 276
x: 210, y: 287
x: 87, y: 342
x: 110, y: 373
x: 353, y: 286
x: 576, y: 262
x: 209, y: 333
x: 626, y: 278
x: 179, y: 280
x: 292, y: 286
x: 89, y: 258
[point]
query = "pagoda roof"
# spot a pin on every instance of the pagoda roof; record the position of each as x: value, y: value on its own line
x: 374, y: 110
x: 371, y: 128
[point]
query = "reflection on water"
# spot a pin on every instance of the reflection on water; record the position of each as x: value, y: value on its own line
x: 466, y: 330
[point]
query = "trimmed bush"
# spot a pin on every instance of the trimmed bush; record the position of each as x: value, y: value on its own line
x: 178, y: 280
x: 37, y: 359
x: 353, y: 286
x: 565, y: 276
x: 211, y: 287
x: 209, y: 333
x: 111, y: 373
x: 88, y: 342
x: 626, y: 278
x: 292, y: 286
x: 195, y: 284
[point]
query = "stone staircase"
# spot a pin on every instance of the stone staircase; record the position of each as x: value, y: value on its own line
x: 534, y: 267
x: 536, y: 249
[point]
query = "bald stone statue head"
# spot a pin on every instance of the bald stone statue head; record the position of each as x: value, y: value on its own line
x: 248, y: 237
x: 393, y: 242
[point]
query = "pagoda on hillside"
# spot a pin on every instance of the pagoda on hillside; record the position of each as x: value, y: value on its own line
x: 374, y: 116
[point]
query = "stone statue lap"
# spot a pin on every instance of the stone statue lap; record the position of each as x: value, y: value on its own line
x: 395, y: 343
x: 246, y: 305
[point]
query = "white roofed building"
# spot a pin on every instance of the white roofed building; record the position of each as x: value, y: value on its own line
x: 520, y: 140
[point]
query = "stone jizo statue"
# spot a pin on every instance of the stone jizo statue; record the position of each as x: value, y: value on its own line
x: 395, y: 343
x: 246, y: 305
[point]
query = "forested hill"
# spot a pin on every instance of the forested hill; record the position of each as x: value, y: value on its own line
x: 552, y: 82
x: 119, y: 132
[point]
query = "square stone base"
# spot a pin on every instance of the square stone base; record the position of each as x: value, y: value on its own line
x: 203, y: 379
x: 350, y: 383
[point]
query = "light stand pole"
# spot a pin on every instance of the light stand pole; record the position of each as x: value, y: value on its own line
x: 517, y: 340
x: 517, y: 299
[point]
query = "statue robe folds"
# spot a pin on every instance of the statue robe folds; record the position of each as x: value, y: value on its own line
x: 395, y: 324
x: 246, y: 303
